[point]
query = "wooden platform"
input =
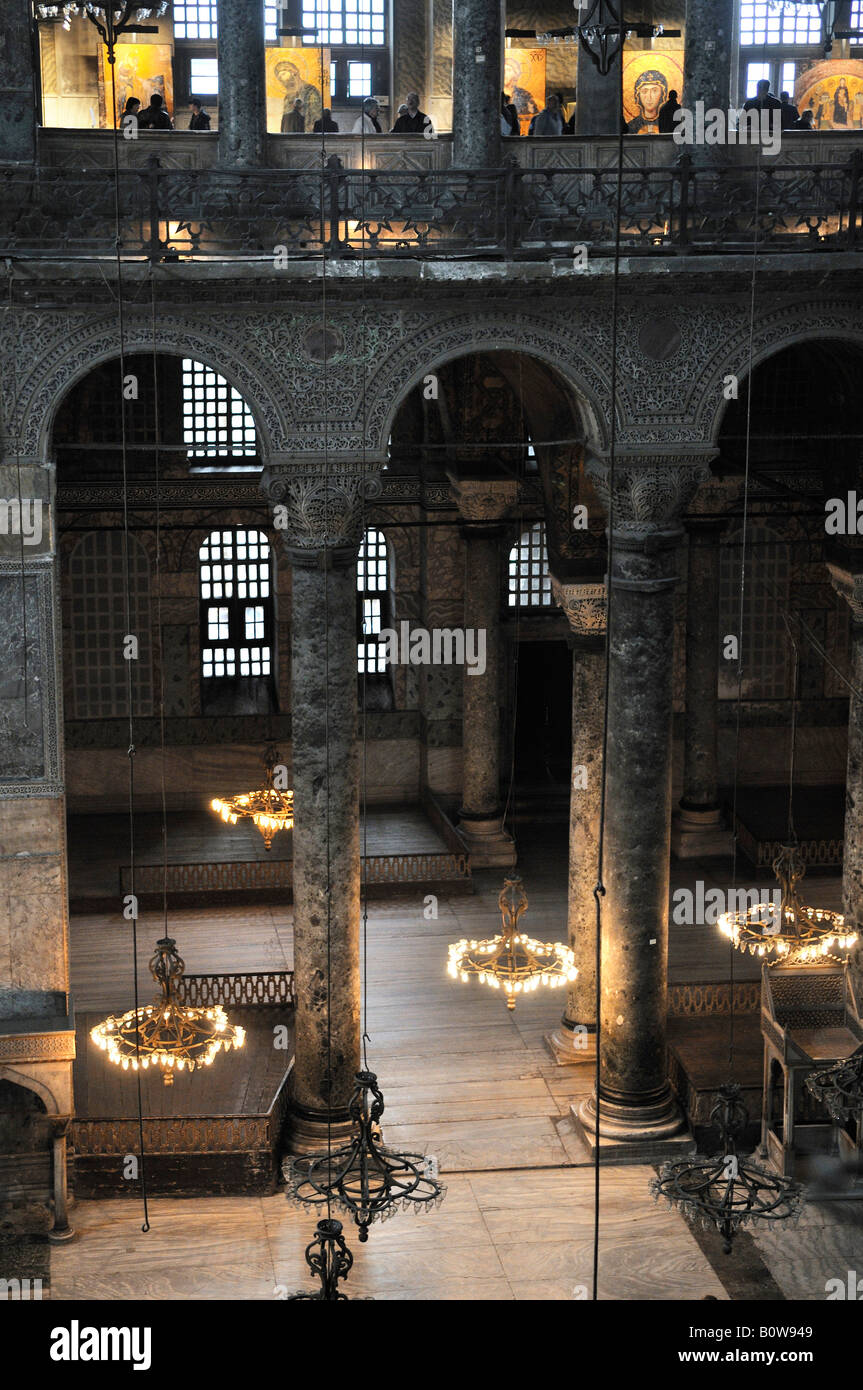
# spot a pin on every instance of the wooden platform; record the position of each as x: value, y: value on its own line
x: 215, y: 1131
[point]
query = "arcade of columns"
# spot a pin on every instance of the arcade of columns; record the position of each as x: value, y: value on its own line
x: 635, y: 1103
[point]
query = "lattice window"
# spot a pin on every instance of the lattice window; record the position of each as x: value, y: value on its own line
x: 100, y: 672
x: 856, y: 17
x: 529, y: 581
x: 764, y: 644
x: 770, y: 22
x: 373, y: 599
x: 198, y: 19
x: 345, y: 22
x: 236, y: 634
x: 216, y: 420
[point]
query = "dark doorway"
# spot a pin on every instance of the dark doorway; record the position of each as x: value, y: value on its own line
x: 543, y: 738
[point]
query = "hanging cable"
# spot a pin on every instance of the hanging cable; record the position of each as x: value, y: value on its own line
x: 599, y: 890
x: 13, y: 415
x: 128, y: 616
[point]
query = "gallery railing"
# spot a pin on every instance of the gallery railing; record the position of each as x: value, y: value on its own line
x: 280, y: 215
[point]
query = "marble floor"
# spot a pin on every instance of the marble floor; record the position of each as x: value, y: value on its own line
x: 463, y: 1080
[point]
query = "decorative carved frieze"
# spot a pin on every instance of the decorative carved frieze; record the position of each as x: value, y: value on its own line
x: 37, y: 1047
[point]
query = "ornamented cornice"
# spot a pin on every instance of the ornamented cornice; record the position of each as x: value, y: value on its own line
x: 320, y: 511
x: 585, y: 605
x: 484, y: 499
x: 37, y: 1047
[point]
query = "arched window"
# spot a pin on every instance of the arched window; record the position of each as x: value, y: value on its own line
x: 373, y: 597
x: 236, y: 610
x: 529, y: 582
x: 217, y: 423
x: 100, y: 671
x: 764, y: 644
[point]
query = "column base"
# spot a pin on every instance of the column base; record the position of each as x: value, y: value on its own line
x: 309, y: 1133
x: 62, y: 1235
x: 570, y: 1043
x: 633, y: 1133
x: 486, y: 841
x: 700, y: 834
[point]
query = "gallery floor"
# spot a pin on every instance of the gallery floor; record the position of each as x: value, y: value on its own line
x: 470, y: 1083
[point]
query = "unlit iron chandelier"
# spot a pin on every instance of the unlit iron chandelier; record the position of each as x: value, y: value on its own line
x: 789, y: 930
x: 726, y: 1192
x: 167, y: 1033
x: 330, y: 1260
x: 111, y: 20
x: 365, y: 1177
x: 270, y: 807
x: 512, y: 961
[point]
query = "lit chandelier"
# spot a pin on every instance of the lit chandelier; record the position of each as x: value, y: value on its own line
x: 725, y: 1191
x: 329, y: 1258
x: 840, y: 1088
x: 270, y: 807
x: 795, y: 932
x: 365, y: 1177
x: 167, y: 1033
x: 513, y: 961
x: 111, y: 20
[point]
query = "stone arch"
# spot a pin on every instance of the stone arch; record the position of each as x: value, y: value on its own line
x: 31, y: 1083
x: 810, y: 322
x: 464, y: 334
x: 72, y: 353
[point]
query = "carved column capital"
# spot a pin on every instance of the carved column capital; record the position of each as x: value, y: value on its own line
x: 319, y: 511
x: 484, y: 499
x: 651, y: 493
x: 585, y: 605
x: 849, y: 583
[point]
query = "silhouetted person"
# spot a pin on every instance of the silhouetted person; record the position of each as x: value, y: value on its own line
x: 200, y: 120
x: 129, y: 118
x: 762, y: 101
x: 325, y: 124
x: 295, y: 122
x: 414, y: 121
x: 790, y: 114
x: 549, y: 121
x: 805, y: 122
x: 508, y: 116
x: 154, y: 116
x: 665, y: 119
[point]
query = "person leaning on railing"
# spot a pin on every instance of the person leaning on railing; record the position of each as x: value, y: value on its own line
x: 368, y: 123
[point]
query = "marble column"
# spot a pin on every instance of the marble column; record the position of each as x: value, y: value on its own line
x: 708, y: 54
x: 17, y: 83
x: 61, y: 1231
x: 322, y: 521
x: 597, y: 106
x: 477, y: 53
x: 483, y: 504
x: 574, y: 1039
x: 698, y: 829
x: 847, y: 579
x: 242, y: 93
x: 637, y: 1109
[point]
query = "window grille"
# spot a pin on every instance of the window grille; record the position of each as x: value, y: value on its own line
x: 216, y: 419
x: 769, y: 22
x: 373, y: 597
x: 529, y: 581
x: 234, y: 568
x: 764, y: 644
x: 100, y: 672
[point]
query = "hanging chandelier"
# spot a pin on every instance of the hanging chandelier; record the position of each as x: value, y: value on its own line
x: 513, y: 961
x: 840, y: 1088
x: 792, y: 931
x: 329, y: 1258
x: 111, y: 19
x: 365, y: 1177
x: 270, y: 807
x: 167, y: 1033
x: 726, y: 1192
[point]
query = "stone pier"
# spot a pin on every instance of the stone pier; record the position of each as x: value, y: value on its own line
x: 242, y: 92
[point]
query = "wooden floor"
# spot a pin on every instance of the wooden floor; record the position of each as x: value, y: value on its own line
x: 463, y: 1080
